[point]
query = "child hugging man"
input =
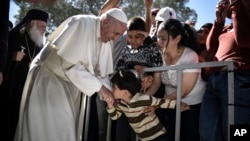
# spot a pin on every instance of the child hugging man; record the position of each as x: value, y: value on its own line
x: 126, y: 87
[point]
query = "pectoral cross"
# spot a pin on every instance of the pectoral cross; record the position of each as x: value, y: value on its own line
x: 23, y: 48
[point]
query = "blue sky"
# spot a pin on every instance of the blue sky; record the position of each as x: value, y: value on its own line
x: 204, y: 8
x: 13, y: 11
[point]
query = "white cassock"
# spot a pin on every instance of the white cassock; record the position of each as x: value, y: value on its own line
x: 73, y: 61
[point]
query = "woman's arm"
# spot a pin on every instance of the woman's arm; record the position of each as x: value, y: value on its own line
x: 241, y: 22
x: 212, y: 42
x: 155, y: 84
x: 188, y: 83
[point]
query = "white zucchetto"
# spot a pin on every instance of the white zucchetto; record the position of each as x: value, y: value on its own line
x: 118, y: 14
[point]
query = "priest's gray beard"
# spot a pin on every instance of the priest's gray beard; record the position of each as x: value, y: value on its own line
x: 37, y: 36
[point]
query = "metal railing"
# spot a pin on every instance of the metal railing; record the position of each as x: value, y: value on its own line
x: 228, y: 64
x: 180, y: 68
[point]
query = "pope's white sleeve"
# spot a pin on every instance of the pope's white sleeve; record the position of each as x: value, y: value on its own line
x: 106, y: 82
x: 83, y: 80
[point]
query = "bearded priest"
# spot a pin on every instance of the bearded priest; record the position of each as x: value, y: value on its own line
x: 26, y: 40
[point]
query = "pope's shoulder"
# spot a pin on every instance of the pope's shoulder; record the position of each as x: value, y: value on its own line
x: 82, y: 17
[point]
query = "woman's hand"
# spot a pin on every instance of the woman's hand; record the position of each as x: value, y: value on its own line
x: 184, y: 107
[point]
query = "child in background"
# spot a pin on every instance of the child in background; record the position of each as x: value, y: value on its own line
x: 126, y: 87
x: 140, y: 53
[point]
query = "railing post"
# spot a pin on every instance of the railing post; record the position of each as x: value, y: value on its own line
x: 81, y: 116
x: 109, y: 125
x: 86, y: 131
x: 230, y: 97
x: 178, y: 102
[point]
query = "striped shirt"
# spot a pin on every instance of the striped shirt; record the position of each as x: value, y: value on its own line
x: 145, y: 126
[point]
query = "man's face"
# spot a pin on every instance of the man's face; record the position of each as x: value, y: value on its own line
x: 202, y: 35
x: 41, y: 26
x: 37, y: 32
x: 111, y: 30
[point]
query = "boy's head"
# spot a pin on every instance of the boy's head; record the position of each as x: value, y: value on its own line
x: 136, y: 31
x: 124, y: 83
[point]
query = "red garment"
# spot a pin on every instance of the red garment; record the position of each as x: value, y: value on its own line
x: 232, y: 42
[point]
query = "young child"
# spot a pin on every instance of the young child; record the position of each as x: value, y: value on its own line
x: 126, y: 87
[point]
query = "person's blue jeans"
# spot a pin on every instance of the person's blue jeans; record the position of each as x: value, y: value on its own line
x: 214, y: 109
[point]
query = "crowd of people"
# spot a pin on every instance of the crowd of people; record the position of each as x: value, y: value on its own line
x: 44, y: 81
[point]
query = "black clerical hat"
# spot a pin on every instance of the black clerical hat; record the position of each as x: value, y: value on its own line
x: 33, y: 14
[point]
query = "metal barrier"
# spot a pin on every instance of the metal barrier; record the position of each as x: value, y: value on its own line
x: 180, y: 68
x: 230, y: 68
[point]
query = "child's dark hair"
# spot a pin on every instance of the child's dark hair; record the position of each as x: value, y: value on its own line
x: 188, y: 35
x: 136, y: 23
x: 127, y: 80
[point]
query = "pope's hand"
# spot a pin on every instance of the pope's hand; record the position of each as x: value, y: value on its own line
x: 106, y: 95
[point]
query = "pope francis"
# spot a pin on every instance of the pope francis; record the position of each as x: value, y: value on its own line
x: 76, y: 60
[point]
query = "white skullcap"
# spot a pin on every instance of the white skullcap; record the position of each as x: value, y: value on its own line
x: 118, y: 14
x: 165, y: 14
